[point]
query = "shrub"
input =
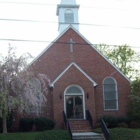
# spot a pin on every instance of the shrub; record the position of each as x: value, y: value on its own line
x: 9, y: 120
x: 43, y: 123
x: 134, y: 104
x: 122, y: 125
x: 124, y: 119
x: 134, y: 124
x: 97, y: 125
x: 25, y: 124
x: 113, y: 121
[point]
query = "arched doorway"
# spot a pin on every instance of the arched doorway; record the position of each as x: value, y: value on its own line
x: 74, y: 102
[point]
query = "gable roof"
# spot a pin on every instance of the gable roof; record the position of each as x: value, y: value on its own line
x: 87, y: 42
x: 73, y: 64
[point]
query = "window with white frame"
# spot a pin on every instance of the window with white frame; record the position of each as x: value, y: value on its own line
x: 69, y: 16
x: 110, y: 94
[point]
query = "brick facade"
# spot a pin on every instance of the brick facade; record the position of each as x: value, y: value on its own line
x: 58, y: 57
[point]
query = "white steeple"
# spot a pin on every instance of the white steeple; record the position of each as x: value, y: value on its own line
x: 67, y: 12
x: 68, y: 2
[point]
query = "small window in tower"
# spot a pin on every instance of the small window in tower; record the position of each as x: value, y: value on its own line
x: 69, y: 16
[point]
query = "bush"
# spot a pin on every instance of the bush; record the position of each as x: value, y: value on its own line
x: 97, y: 125
x: 134, y: 110
x: 43, y: 123
x: 113, y: 121
x: 122, y: 125
x: 124, y: 119
x: 134, y: 124
x: 9, y: 120
x: 25, y: 124
x: 134, y: 104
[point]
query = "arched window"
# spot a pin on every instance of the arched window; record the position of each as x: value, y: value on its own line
x: 37, y: 86
x: 73, y: 89
x: 69, y: 16
x: 110, y: 94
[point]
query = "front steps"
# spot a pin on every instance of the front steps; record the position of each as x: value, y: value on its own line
x: 81, y: 130
x: 80, y: 126
x: 87, y: 136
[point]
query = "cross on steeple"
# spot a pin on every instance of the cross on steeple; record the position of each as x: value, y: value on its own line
x: 71, y: 42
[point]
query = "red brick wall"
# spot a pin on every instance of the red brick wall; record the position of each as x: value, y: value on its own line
x: 72, y: 76
x: 58, y: 57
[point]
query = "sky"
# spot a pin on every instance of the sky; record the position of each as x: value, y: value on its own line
x: 114, y: 22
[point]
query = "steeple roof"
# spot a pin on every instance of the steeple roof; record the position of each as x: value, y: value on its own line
x: 70, y: 2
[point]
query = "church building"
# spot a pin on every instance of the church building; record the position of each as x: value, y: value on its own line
x: 82, y: 78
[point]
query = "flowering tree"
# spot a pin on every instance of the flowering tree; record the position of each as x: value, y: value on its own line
x: 17, y: 87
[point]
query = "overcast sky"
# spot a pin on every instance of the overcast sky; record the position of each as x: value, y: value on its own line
x: 101, y: 21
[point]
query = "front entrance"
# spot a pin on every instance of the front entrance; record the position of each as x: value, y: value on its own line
x: 74, y: 102
x: 74, y: 107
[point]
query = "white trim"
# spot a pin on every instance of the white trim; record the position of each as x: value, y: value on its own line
x: 101, y: 54
x: 70, y: 26
x: 73, y: 63
x: 116, y: 95
x: 48, y: 46
x: 84, y: 112
x: 66, y: 6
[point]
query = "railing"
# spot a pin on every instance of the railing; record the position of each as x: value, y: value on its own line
x: 69, y: 129
x: 105, y: 130
x: 89, y: 118
x: 65, y: 119
x: 67, y: 124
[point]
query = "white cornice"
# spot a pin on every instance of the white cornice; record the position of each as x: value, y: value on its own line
x: 73, y: 64
x: 66, y: 6
x: 102, y: 55
x: 88, y: 43
x: 48, y: 46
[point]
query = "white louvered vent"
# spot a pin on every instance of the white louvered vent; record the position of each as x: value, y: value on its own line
x: 69, y: 16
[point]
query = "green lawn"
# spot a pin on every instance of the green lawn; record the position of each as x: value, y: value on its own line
x: 46, y: 135
x: 123, y: 133
x: 115, y: 134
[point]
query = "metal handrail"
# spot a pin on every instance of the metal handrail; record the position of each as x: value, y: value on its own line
x: 89, y: 118
x: 69, y: 129
x: 65, y: 119
x: 105, y: 130
x: 67, y: 124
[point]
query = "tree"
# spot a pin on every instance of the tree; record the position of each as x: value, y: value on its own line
x: 134, y: 105
x: 123, y: 57
x: 17, y: 89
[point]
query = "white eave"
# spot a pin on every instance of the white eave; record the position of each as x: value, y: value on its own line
x: 102, y: 55
x: 49, y: 46
x: 73, y: 64
x: 66, y: 6
x: 87, y: 43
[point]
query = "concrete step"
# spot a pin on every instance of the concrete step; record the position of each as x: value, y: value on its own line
x: 85, y: 130
x: 87, y: 136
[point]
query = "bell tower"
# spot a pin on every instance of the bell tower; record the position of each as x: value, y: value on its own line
x: 67, y: 12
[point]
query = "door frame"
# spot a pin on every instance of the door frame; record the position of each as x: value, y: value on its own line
x: 82, y: 94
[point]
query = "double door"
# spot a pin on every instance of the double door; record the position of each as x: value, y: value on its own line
x: 74, y: 107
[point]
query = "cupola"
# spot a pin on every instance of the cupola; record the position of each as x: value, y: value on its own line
x: 67, y: 12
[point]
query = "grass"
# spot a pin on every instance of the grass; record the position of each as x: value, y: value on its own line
x: 115, y: 134
x: 46, y: 135
x: 122, y: 133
